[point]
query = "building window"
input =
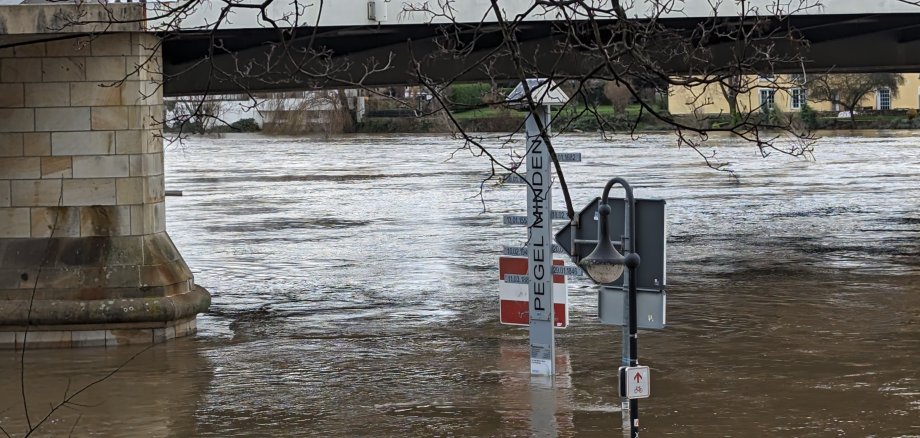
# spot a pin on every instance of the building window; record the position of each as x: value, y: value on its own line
x: 883, y: 98
x: 767, y: 96
x: 796, y: 98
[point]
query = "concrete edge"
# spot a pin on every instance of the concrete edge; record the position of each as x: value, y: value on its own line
x: 51, y: 313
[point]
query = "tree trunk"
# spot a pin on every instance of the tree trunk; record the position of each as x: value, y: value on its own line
x: 730, y: 93
x: 353, y: 116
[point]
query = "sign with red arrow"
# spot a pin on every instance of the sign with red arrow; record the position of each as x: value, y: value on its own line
x: 634, y: 382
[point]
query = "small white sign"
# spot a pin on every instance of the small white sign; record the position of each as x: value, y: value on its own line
x: 635, y: 382
x: 568, y: 271
x: 568, y: 157
x: 521, y: 251
x: 512, y: 219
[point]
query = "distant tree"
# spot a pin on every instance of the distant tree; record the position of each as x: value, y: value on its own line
x: 618, y: 95
x: 848, y: 90
x: 731, y: 88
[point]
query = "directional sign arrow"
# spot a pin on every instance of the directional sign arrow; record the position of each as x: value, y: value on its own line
x: 636, y: 386
x: 578, y: 241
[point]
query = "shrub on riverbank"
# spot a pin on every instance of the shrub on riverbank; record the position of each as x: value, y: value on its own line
x: 403, y: 125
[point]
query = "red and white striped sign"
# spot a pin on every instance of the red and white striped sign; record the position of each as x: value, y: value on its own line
x: 514, y: 297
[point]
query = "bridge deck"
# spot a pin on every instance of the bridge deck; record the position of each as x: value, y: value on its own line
x: 843, y: 36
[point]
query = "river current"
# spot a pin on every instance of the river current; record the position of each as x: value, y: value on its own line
x: 355, y: 293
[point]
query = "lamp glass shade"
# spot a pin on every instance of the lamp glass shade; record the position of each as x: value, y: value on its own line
x: 604, y: 264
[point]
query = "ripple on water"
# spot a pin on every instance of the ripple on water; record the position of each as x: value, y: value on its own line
x: 354, y: 288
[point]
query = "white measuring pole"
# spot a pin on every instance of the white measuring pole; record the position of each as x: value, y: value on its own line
x: 540, y: 246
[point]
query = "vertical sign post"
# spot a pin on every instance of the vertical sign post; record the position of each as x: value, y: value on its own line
x: 540, y: 246
x: 539, y: 219
x: 628, y: 408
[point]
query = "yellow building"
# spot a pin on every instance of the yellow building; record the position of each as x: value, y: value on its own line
x: 784, y: 93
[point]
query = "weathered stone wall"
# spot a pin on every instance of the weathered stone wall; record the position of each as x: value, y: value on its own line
x: 82, y: 210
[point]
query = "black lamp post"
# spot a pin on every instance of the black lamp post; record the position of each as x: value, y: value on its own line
x: 605, y: 265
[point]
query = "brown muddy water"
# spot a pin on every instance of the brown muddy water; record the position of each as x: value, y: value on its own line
x: 355, y: 294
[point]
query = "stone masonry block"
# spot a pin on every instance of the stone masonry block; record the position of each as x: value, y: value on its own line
x: 4, y: 193
x: 136, y: 165
x: 15, y: 222
x: 148, y: 218
x: 105, y: 68
x: 11, y: 96
x: 154, y: 141
x: 155, y: 189
x: 95, y: 94
x: 132, y: 93
x: 68, y: 47
x: 164, y: 334
x: 144, y: 44
x: 138, y: 225
x: 17, y: 120
x: 21, y: 70
x: 144, y: 68
x: 34, y: 50
x: 53, y: 278
x: 158, y: 116
x: 120, y: 276
x: 152, y: 90
x: 181, y: 328
x: 107, y: 220
x: 62, y: 119
x: 48, y: 339
x: 153, y: 164
x: 110, y: 118
x: 83, y: 143
x: 57, y: 167
x: 35, y: 193
x: 138, y: 117
x: 9, y: 341
x: 156, y: 213
x: 88, y: 338
x: 20, y: 168
x: 62, y: 221
x: 129, y: 142
x: 97, y: 191
x: 36, y: 144
x: 69, y: 69
x: 47, y: 94
x: 115, y: 338
x: 105, y: 166
x: 111, y: 44
x: 130, y: 190
x: 11, y: 145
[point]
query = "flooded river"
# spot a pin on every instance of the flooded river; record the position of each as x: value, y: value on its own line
x: 355, y: 294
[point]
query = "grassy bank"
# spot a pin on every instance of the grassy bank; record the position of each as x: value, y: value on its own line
x: 578, y: 119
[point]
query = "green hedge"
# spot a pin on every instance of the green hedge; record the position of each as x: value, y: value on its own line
x: 468, y: 96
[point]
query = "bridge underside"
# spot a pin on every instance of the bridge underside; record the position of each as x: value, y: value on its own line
x: 330, y: 57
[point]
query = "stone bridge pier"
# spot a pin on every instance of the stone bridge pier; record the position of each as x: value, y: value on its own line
x: 85, y: 259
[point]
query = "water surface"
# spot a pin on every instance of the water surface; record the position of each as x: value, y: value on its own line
x: 355, y: 294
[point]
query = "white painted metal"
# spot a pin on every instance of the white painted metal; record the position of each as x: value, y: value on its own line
x: 539, y: 244
x: 544, y: 91
x: 637, y: 383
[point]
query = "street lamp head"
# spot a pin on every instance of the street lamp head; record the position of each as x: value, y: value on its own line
x: 605, y: 264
